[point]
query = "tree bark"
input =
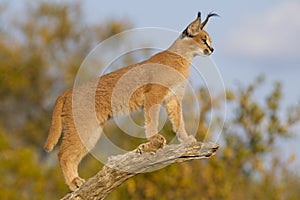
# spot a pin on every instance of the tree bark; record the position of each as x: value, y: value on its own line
x: 122, y: 167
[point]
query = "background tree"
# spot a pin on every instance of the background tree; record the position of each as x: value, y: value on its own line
x: 40, y: 54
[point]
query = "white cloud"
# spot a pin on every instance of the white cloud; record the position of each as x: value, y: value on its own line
x: 272, y: 34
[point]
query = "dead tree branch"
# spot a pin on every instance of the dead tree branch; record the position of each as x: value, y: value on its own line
x: 122, y: 167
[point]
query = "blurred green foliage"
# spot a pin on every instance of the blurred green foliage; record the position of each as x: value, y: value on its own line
x: 40, y: 54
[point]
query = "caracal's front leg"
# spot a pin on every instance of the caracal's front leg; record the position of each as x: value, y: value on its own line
x: 152, y: 109
x: 174, y: 110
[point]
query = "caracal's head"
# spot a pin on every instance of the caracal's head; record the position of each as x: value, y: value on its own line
x: 196, y: 39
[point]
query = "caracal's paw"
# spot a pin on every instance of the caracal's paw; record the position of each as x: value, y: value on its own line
x: 156, y: 142
x: 76, y: 183
x: 188, y: 139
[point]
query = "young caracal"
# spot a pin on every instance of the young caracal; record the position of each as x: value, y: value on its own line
x: 159, y: 80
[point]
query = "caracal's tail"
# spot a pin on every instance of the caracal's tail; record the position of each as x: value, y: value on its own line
x: 56, y: 123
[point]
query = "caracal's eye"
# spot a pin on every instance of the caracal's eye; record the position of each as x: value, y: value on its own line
x: 204, y: 41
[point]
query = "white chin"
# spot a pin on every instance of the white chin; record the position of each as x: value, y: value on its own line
x: 202, y: 54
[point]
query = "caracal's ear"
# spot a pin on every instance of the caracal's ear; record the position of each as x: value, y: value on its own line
x: 203, y: 24
x: 194, y: 27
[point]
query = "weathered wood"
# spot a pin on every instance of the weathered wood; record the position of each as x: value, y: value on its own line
x: 122, y: 167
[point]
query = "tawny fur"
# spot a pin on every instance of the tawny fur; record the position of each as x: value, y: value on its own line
x: 82, y: 112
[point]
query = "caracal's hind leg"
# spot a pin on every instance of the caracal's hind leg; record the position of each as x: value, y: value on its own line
x: 70, y: 154
x: 72, y: 150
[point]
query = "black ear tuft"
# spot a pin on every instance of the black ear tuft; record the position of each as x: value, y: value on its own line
x: 211, y: 14
x: 203, y: 24
x: 199, y: 15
